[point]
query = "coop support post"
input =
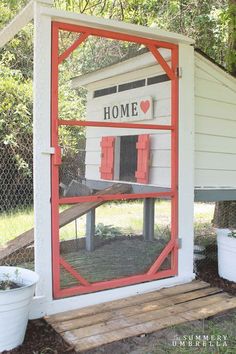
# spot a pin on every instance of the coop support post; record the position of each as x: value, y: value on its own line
x: 90, y: 230
x: 148, y: 219
x: 42, y: 169
x: 186, y: 160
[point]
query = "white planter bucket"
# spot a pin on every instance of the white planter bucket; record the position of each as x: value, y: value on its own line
x: 226, y: 255
x: 14, y: 306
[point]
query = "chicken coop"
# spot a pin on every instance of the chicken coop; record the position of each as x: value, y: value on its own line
x: 158, y: 133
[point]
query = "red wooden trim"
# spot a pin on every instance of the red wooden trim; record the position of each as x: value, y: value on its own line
x: 174, y: 156
x: 107, y: 157
x: 174, y: 161
x: 73, y: 272
x: 69, y: 50
x: 111, y: 284
x: 114, y: 35
x: 162, y: 61
x: 143, y: 148
x: 82, y: 123
x: 165, y: 252
x: 110, y: 197
x: 54, y: 167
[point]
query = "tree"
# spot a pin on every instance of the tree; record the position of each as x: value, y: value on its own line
x: 225, y: 211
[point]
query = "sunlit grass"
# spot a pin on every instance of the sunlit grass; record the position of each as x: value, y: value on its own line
x: 127, y: 216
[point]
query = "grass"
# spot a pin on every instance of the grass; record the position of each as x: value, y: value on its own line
x: 120, y: 258
x: 127, y: 216
x: 219, y: 333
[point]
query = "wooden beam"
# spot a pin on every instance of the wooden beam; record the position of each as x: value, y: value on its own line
x: 90, y: 230
x: 148, y: 219
x: 66, y: 217
x: 18, y: 22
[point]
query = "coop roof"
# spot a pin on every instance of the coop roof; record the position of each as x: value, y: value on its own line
x: 137, y: 60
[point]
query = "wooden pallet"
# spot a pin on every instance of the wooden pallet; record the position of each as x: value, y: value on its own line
x: 97, y: 325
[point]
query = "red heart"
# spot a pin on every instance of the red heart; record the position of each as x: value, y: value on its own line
x: 144, y: 105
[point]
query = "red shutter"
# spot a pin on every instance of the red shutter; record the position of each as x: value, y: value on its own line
x: 143, y: 147
x: 107, y: 157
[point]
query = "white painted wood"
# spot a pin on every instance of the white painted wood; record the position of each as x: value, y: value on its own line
x: 215, y: 109
x: 144, y: 64
x: 218, y: 127
x: 18, y: 22
x: 213, y: 143
x: 42, y: 141
x: 148, y: 71
x: 214, y: 91
x: 202, y: 74
x: 215, y: 161
x: 215, y: 71
x: 186, y: 158
x: 100, y: 297
x: 116, y: 26
x: 215, y: 178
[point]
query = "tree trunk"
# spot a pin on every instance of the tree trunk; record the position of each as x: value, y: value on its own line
x: 225, y: 215
x: 225, y: 212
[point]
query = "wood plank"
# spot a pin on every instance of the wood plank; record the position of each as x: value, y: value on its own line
x: 142, y: 317
x: 93, y: 320
x: 215, y: 178
x: 205, y: 106
x: 215, y: 91
x: 66, y: 217
x: 206, y: 307
x: 128, y: 301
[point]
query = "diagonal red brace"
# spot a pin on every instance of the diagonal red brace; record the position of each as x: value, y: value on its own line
x: 69, y: 50
x: 154, y: 268
x: 73, y: 272
x: 162, y: 61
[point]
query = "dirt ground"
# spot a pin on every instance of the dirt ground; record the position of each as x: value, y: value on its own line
x: 42, y: 339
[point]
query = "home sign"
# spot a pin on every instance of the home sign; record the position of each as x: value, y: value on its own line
x: 133, y: 110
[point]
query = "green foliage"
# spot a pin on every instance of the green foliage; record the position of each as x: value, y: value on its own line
x: 15, y: 137
x: 107, y: 232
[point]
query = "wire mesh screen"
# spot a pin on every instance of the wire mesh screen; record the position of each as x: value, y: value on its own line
x: 118, y: 246
x: 16, y: 197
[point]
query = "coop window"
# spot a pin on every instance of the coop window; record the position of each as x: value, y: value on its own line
x: 125, y: 158
x: 105, y: 91
x: 128, y: 158
x: 131, y: 85
x: 157, y: 79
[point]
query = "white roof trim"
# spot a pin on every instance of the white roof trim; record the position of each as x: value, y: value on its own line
x: 18, y: 22
x: 137, y: 62
x: 115, y: 26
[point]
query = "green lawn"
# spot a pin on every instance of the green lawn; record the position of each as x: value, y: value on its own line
x: 127, y: 216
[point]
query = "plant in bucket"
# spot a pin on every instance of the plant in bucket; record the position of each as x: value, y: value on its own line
x: 17, y: 287
x: 226, y: 243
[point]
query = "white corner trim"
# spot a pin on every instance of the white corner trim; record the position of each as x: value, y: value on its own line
x: 18, y: 22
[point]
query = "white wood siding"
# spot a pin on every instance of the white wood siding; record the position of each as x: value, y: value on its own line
x: 215, y: 126
x: 160, y: 140
x: 215, y: 123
